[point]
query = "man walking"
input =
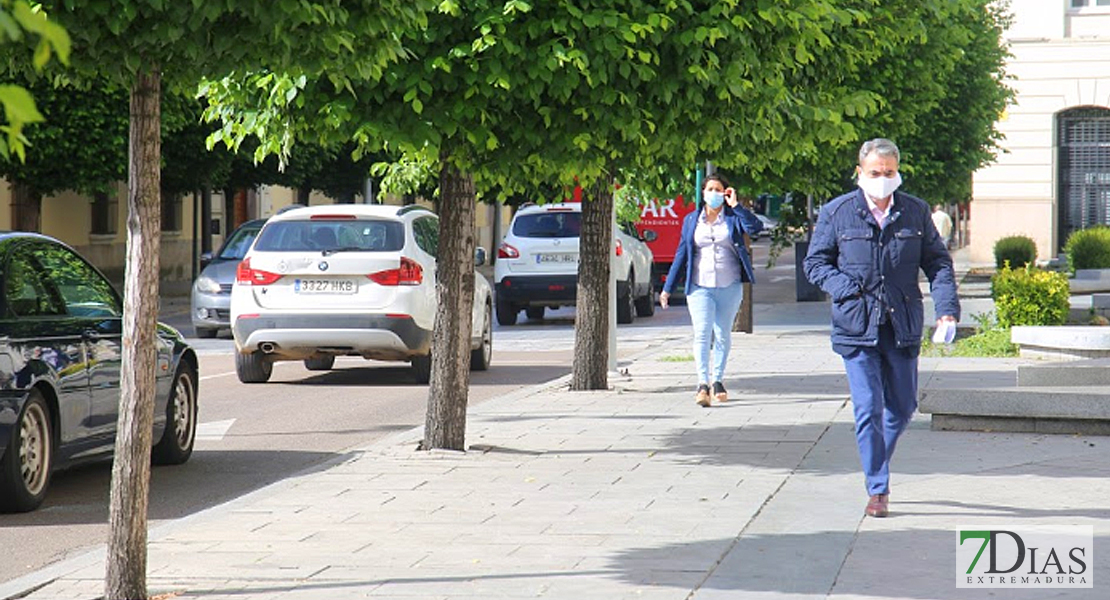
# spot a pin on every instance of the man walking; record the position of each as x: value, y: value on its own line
x: 866, y: 251
x: 943, y: 223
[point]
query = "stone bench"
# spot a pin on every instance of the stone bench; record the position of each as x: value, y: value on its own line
x: 1083, y: 410
x: 1063, y: 342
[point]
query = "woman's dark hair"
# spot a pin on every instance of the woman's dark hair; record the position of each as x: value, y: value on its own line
x: 715, y: 177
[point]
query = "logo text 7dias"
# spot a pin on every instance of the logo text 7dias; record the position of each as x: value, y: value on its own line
x: 1057, y: 557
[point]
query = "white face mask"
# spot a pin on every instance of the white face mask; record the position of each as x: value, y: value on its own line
x: 880, y: 187
x: 714, y: 199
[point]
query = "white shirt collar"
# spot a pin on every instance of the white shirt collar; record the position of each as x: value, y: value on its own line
x: 872, y: 206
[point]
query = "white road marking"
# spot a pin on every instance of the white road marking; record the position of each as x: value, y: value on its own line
x: 214, y: 431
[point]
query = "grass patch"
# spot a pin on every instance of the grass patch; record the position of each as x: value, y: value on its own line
x: 677, y: 358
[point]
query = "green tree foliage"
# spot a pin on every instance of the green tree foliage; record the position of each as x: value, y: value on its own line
x: 82, y: 146
x: 18, y: 18
x: 933, y: 82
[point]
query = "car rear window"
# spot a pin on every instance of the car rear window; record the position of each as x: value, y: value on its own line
x: 236, y: 247
x: 548, y: 225
x: 366, y: 235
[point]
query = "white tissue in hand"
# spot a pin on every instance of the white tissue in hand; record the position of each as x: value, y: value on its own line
x: 945, y: 332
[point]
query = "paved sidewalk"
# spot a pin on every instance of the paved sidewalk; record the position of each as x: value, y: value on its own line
x: 637, y: 493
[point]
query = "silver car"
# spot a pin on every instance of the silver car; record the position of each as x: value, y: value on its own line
x: 211, y: 298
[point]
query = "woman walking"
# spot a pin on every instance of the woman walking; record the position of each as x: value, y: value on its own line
x: 713, y: 257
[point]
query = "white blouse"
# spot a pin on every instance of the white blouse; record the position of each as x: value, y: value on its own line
x: 716, y: 263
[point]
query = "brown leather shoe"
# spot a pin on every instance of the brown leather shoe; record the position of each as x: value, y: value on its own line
x: 877, y: 506
x: 703, y: 398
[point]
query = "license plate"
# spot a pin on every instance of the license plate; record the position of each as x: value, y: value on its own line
x: 325, y: 286
x: 563, y: 258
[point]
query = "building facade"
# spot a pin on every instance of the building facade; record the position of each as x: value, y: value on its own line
x: 1054, y: 176
x: 97, y: 227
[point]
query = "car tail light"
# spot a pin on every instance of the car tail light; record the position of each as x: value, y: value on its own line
x: 620, y: 248
x: 507, y: 251
x: 332, y: 218
x: 245, y: 275
x: 409, y: 273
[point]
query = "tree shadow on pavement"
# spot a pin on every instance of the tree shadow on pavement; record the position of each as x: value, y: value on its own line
x: 80, y: 496
x: 921, y: 451
x: 917, y: 563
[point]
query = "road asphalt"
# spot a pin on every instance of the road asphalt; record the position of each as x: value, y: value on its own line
x: 637, y: 492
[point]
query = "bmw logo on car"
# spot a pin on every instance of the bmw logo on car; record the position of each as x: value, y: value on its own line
x: 323, y: 266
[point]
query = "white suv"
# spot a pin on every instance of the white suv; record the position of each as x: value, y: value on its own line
x: 537, y: 265
x: 345, y: 279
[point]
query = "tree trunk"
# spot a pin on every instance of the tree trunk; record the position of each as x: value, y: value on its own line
x: 206, y: 220
x: 127, y: 535
x: 445, y: 425
x: 591, y: 323
x: 26, y: 208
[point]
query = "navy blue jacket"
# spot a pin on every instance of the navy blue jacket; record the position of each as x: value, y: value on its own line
x: 740, y: 220
x: 870, y: 271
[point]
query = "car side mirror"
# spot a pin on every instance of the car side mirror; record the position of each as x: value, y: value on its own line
x: 479, y: 256
x: 205, y: 259
x: 649, y: 235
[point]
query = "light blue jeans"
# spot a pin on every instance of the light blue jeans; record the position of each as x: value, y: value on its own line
x: 712, y: 311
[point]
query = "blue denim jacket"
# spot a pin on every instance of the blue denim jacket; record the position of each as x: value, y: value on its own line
x: 872, y: 273
x: 739, y: 219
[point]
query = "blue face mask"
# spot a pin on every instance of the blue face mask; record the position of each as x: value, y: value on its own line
x: 714, y: 200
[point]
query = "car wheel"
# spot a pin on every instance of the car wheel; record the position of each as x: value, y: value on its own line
x: 480, y: 357
x: 253, y: 367
x: 422, y: 368
x: 645, y: 305
x: 28, y: 459
x: 206, y: 333
x: 534, y: 312
x: 506, y: 313
x: 176, y: 445
x: 625, y: 303
x: 320, y: 363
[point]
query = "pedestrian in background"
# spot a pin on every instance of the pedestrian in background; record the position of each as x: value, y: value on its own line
x: 712, y: 255
x: 943, y: 223
x: 866, y: 251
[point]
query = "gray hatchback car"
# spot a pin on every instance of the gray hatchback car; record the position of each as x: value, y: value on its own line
x: 211, y: 298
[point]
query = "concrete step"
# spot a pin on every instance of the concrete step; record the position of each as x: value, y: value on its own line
x: 1094, y: 372
x: 1081, y: 410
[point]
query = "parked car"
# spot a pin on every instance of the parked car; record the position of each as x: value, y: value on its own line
x: 537, y: 265
x: 769, y: 226
x: 61, y: 330
x: 211, y: 297
x: 345, y: 280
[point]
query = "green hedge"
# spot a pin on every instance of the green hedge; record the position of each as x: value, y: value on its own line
x: 1029, y: 296
x: 1089, y: 248
x: 1019, y: 250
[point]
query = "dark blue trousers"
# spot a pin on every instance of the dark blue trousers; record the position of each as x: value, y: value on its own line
x: 883, y: 381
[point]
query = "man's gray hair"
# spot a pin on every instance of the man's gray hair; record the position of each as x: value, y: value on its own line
x: 880, y: 146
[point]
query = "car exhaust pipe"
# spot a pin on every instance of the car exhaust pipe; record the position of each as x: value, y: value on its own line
x: 267, y: 347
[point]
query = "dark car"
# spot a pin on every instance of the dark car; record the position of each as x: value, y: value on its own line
x: 61, y: 330
x: 211, y: 298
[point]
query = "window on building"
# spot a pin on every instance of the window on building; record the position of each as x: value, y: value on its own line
x: 1083, y: 135
x: 104, y: 214
x: 171, y: 212
x: 1086, y: 3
